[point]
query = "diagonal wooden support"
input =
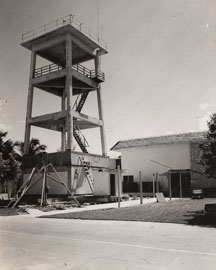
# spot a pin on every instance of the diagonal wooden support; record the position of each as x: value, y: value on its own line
x: 64, y: 184
x: 43, y: 191
x: 26, y: 189
x: 49, y: 176
x: 25, y: 186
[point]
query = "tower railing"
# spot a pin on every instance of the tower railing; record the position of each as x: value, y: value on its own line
x: 92, y: 74
x: 69, y: 19
x: 38, y: 72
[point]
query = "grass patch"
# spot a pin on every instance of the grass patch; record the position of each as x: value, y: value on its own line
x: 184, y: 211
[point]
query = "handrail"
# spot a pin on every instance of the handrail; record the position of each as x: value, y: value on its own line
x: 92, y: 74
x: 69, y: 19
x: 81, y: 69
x: 38, y: 72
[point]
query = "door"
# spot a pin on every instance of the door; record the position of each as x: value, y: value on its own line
x: 185, y: 182
x: 186, y: 185
x: 112, y: 185
x: 175, y: 185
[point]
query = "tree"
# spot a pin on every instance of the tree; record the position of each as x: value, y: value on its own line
x: 208, y: 149
x: 35, y: 147
x: 11, y: 154
x: 10, y: 163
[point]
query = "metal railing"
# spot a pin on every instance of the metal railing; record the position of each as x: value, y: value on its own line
x: 97, y: 75
x: 38, y: 72
x: 69, y: 19
x: 83, y: 70
x: 92, y: 74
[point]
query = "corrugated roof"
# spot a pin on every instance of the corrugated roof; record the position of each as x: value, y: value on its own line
x: 168, y: 139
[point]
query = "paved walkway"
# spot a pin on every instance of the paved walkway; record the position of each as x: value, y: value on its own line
x: 37, y: 213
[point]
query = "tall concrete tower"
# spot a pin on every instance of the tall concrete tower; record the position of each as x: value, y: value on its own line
x: 67, y: 45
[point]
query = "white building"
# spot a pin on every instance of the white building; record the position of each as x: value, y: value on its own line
x: 174, y: 156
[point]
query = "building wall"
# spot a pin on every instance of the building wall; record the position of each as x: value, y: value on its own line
x: 176, y: 156
x: 99, y: 171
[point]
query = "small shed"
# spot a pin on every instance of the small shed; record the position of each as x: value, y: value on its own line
x: 179, y: 182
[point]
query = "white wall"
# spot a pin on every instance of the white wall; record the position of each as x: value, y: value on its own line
x: 176, y: 156
x: 99, y: 171
x: 101, y: 183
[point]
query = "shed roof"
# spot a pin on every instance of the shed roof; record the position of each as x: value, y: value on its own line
x: 168, y: 139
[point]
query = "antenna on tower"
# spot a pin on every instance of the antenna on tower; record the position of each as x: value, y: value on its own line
x: 98, y: 28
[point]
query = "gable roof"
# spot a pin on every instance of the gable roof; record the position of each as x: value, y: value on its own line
x: 168, y: 139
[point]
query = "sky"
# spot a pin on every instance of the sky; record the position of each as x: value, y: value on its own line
x: 160, y: 70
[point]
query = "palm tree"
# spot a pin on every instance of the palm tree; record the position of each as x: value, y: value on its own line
x: 35, y: 147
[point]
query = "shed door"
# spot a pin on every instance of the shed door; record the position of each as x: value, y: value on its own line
x: 186, y: 185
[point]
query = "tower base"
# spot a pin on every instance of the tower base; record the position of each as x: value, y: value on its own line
x: 69, y: 165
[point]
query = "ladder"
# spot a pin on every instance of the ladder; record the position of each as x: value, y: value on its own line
x: 83, y: 165
x: 86, y: 166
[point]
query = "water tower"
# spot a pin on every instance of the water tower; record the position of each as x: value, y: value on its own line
x: 68, y: 45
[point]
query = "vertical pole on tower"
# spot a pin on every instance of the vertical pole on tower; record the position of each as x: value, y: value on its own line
x: 100, y: 107
x: 29, y: 103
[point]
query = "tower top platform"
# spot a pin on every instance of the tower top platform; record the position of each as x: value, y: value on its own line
x: 61, y: 27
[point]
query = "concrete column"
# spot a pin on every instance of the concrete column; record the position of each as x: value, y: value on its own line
x: 69, y: 92
x: 29, y: 103
x: 97, y: 62
x: 100, y: 109
x: 63, y: 133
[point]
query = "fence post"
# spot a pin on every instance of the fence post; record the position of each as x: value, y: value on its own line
x: 141, y: 188
x: 170, y: 186
x: 153, y: 179
x: 119, y: 186
x: 180, y: 183
x: 157, y: 183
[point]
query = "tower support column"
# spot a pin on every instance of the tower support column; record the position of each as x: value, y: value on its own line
x: 29, y: 103
x: 100, y: 108
x: 63, y: 133
x: 69, y: 93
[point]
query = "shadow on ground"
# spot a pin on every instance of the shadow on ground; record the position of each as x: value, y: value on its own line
x: 199, y: 218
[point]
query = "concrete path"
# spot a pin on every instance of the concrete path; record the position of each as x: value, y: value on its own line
x: 37, y: 213
x: 53, y: 244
